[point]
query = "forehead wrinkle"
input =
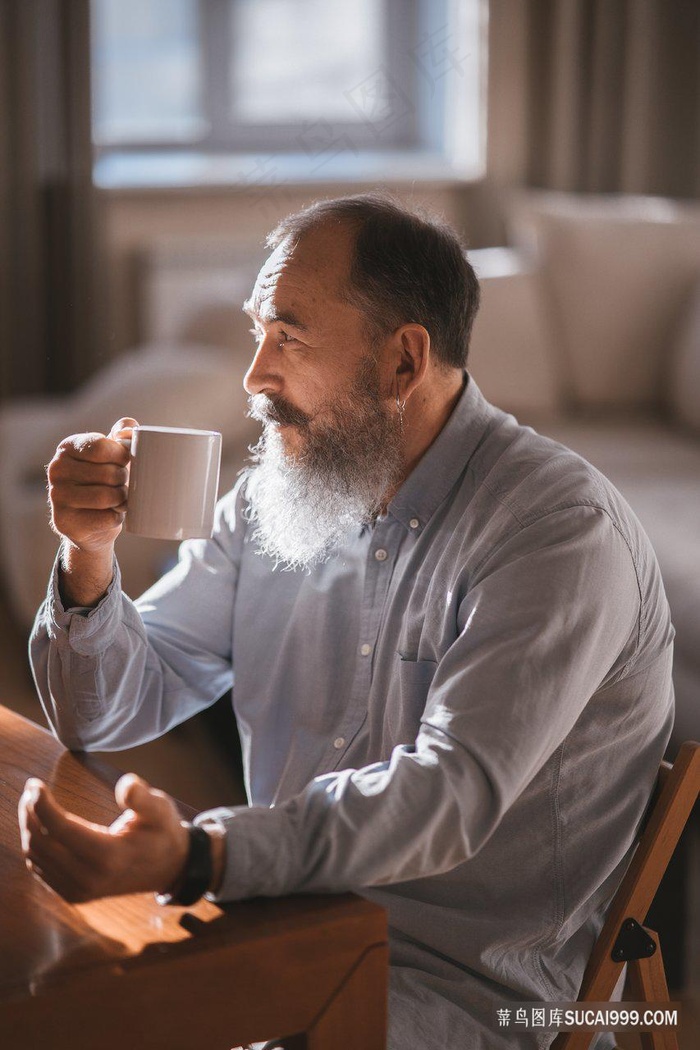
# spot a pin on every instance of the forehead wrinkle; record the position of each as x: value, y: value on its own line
x: 268, y: 279
x: 272, y: 288
x: 273, y: 315
x: 293, y: 277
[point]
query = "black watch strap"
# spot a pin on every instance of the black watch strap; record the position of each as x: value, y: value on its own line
x: 197, y: 873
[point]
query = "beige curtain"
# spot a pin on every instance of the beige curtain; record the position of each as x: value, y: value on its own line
x: 614, y: 95
x: 47, y: 249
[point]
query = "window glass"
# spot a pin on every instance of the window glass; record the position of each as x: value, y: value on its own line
x: 147, y: 77
x: 297, y: 60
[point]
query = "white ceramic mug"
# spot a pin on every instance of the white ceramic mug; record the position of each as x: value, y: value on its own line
x: 173, y: 482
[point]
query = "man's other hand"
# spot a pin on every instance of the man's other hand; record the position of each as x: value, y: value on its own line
x: 88, y: 479
x: 144, y: 849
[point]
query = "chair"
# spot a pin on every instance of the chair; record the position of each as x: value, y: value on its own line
x: 624, y: 940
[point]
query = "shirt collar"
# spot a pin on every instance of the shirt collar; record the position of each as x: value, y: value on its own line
x: 446, y: 459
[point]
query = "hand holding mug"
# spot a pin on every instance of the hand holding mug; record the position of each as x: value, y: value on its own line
x: 88, y: 481
x: 171, y: 478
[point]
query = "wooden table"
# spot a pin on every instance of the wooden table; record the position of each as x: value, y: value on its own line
x: 125, y: 972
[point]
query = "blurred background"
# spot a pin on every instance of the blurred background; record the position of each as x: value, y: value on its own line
x: 148, y: 146
x: 125, y: 122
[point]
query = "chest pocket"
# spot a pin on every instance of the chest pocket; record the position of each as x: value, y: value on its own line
x: 407, y: 699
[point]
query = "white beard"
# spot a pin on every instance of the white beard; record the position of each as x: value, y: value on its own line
x: 304, y: 506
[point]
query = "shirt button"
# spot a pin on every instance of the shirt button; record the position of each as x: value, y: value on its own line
x: 414, y: 523
x: 365, y: 649
x: 380, y: 555
x: 339, y: 742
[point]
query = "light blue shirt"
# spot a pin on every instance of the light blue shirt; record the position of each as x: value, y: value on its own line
x: 461, y: 714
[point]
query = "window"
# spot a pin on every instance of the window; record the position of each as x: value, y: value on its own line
x: 323, y: 86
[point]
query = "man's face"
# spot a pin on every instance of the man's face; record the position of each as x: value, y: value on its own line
x: 311, y: 344
x: 331, y: 444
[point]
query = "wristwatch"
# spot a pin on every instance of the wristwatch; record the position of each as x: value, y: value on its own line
x: 197, y: 874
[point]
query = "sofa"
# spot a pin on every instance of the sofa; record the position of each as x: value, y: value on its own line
x: 590, y: 331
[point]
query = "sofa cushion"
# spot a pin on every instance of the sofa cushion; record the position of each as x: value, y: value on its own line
x: 684, y: 369
x: 619, y: 271
x: 169, y: 385
x: 511, y: 355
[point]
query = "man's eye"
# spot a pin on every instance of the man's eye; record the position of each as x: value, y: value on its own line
x: 285, y: 337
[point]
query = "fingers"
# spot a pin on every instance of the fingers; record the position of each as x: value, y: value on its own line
x: 26, y: 809
x: 88, y: 487
x: 148, y: 804
x: 145, y: 849
x: 86, y: 473
x: 71, y: 855
x: 91, y: 448
x: 96, y: 497
x: 45, y: 825
x: 90, y: 519
x: 126, y: 423
x: 128, y: 789
x: 150, y: 816
x: 86, y: 459
x: 122, y: 431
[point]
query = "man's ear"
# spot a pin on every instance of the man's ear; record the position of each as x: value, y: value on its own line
x: 412, y: 345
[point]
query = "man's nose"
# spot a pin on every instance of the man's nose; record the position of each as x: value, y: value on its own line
x: 263, y: 376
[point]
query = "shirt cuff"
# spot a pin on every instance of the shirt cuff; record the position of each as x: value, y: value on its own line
x: 262, y: 855
x: 86, y: 630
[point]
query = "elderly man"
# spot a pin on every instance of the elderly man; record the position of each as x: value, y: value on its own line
x: 456, y: 698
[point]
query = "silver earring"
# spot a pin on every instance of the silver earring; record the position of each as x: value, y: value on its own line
x: 400, y: 408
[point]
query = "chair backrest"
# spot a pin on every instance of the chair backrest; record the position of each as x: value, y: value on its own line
x: 671, y: 804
